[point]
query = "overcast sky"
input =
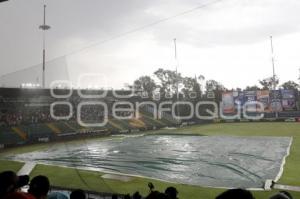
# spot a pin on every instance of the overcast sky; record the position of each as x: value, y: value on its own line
x: 227, y: 40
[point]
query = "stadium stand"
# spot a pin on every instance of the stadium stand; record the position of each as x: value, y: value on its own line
x: 25, y: 115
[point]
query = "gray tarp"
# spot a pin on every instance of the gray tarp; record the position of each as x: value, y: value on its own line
x: 217, y: 161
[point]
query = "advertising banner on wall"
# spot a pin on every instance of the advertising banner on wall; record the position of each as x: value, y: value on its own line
x: 275, y: 101
x: 228, y: 102
x: 287, y: 94
x: 263, y: 97
x: 250, y: 96
x: 238, y: 97
x: 288, y: 100
x: 288, y: 104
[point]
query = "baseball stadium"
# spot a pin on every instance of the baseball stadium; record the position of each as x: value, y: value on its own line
x: 129, y: 130
x: 199, y: 157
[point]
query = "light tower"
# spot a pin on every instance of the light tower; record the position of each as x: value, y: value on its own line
x: 273, y: 65
x: 177, y: 80
x: 44, y: 27
x: 176, y: 68
x: 299, y: 76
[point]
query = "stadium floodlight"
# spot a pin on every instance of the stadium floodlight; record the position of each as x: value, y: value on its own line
x: 44, y: 27
x: 273, y: 80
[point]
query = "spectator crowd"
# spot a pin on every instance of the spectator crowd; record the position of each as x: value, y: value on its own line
x: 39, y: 188
x: 31, y: 116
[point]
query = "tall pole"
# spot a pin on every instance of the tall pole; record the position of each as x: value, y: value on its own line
x: 299, y: 76
x: 273, y: 67
x: 176, y: 63
x: 176, y: 69
x: 175, y: 51
x: 44, y: 27
x: 273, y: 64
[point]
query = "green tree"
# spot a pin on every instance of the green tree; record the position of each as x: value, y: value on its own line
x: 252, y: 88
x: 213, y: 85
x: 169, y: 80
x: 268, y: 83
x: 145, y: 84
x: 290, y: 85
x: 215, y: 88
x: 191, y: 88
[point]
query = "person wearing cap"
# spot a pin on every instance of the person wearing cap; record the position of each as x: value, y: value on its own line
x: 10, y: 183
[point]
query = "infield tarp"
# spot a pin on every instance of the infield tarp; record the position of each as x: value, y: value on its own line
x: 214, y: 161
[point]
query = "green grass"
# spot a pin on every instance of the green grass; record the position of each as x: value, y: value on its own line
x: 92, y: 180
x: 10, y: 165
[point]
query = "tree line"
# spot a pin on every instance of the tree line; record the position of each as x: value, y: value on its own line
x: 170, y: 84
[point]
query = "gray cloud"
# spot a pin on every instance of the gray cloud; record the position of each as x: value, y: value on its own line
x: 80, y: 23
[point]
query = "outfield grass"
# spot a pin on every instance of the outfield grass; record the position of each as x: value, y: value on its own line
x: 10, y: 165
x: 91, y: 180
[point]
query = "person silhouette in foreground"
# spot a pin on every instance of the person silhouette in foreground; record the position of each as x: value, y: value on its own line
x: 235, y: 194
x: 78, y: 194
x: 127, y: 196
x: 114, y: 196
x: 136, y: 195
x: 157, y: 195
x: 39, y: 187
x: 171, y: 192
x: 10, y: 184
